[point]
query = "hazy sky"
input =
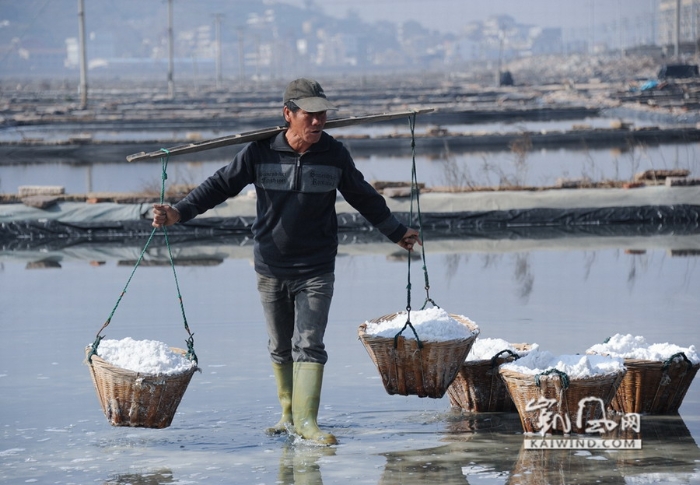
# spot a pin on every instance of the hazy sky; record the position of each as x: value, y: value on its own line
x: 451, y: 15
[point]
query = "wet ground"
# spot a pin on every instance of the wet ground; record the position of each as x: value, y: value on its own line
x: 565, y: 294
x: 562, y: 295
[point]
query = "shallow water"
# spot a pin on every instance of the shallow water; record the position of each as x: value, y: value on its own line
x: 540, y: 167
x: 564, y: 295
x: 118, y: 132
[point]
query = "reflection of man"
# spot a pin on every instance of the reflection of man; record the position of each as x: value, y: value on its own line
x: 296, y: 175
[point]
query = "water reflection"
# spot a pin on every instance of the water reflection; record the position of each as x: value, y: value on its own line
x: 158, y: 477
x: 669, y: 453
x: 564, y: 290
x: 488, y: 448
x: 299, y: 465
x: 523, y: 276
x: 517, y: 165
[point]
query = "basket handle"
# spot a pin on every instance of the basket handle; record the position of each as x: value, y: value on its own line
x: 562, y: 375
x: 670, y: 360
x: 407, y: 324
x: 191, y: 355
x: 494, y: 359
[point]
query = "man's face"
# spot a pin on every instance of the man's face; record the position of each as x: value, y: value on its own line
x: 304, y: 128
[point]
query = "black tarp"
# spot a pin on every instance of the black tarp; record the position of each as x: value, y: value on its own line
x: 679, y: 71
x: 540, y: 223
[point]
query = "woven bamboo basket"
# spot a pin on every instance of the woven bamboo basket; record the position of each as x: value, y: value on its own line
x: 478, y: 387
x: 134, y: 399
x: 409, y: 370
x: 654, y: 387
x: 524, y: 390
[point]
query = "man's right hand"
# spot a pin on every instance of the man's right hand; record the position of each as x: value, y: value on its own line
x: 164, y: 215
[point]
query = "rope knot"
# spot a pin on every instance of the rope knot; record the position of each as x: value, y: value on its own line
x: 562, y: 375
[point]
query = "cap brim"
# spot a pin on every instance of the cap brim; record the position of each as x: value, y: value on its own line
x: 314, y: 105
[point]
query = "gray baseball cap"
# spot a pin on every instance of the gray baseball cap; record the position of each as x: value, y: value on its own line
x: 308, y: 95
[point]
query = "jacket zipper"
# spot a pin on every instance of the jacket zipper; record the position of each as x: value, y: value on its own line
x: 297, y: 174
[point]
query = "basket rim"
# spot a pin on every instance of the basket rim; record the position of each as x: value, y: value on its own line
x: 128, y: 372
x: 597, y: 377
x: 473, y: 328
x: 650, y: 362
x: 632, y: 360
x: 488, y: 361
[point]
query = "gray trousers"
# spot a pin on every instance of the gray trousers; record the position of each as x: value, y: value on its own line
x: 296, y: 312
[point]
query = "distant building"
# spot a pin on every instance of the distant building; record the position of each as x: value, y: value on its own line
x: 688, y: 30
x: 501, y: 37
x: 547, y: 41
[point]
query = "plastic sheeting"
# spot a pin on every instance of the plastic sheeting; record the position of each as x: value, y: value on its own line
x: 538, y: 215
x: 540, y: 223
x: 75, y: 212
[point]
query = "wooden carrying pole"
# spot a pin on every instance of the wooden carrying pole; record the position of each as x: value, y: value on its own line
x: 266, y: 133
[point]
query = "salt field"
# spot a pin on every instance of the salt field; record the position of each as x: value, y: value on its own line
x: 462, y: 169
x: 559, y: 170
x: 565, y: 295
x: 564, y: 290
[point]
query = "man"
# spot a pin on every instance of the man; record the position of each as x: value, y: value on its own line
x: 296, y: 174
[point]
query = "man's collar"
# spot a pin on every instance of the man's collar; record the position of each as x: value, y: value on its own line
x: 279, y: 143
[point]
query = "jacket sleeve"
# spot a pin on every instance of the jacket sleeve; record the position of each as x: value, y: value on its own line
x: 226, y: 182
x: 367, y: 201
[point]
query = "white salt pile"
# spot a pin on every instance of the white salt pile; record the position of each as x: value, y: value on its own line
x: 486, y: 348
x: 431, y: 324
x: 636, y: 347
x: 144, y: 356
x: 575, y: 366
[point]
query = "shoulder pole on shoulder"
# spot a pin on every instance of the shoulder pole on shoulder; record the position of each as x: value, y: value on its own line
x: 266, y: 133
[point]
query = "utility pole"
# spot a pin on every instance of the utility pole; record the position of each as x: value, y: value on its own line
x: 241, y: 54
x: 171, y: 82
x: 592, y: 26
x: 257, y: 55
x: 501, y: 40
x: 653, y: 21
x: 83, y: 55
x: 619, y: 29
x: 677, y: 46
x: 218, y: 50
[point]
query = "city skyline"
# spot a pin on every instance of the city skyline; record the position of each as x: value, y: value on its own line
x: 269, y: 37
x: 442, y: 14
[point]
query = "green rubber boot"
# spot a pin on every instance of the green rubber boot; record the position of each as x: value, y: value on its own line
x: 308, y: 377
x: 284, y: 376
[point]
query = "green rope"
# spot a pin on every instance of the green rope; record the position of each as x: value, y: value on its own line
x: 98, y: 337
x: 191, y: 355
x: 407, y: 324
x: 562, y: 375
x: 494, y: 359
x: 415, y: 195
x: 679, y: 355
x: 190, y: 340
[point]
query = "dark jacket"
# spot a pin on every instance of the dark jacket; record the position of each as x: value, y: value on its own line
x: 296, y: 228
